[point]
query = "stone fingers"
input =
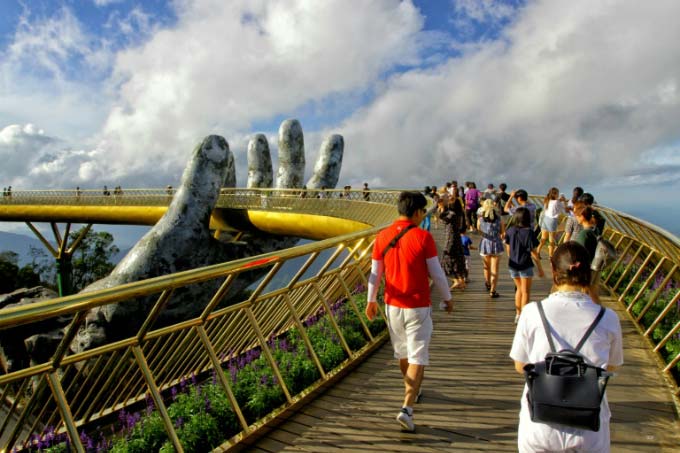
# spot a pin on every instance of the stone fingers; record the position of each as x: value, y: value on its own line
x: 230, y: 173
x: 292, y: 160
x: 328, y: 164
x: 201, y: 182
x: 291, y: 155
x: 260, y: 173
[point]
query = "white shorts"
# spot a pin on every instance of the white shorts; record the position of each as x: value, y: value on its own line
x: 410, y: 332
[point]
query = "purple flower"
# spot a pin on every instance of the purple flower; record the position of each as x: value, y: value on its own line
x: 173, y: 393
x: 264, y: 380
x: 658, y: 280
x: 179, y: 422
x: 183, y: 384
x: 194, y: 381
x: 208, y: 405
x: 214, y: 377
x: 149, y: 404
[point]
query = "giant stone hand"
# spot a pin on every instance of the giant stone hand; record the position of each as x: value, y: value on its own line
x: 181, y: 240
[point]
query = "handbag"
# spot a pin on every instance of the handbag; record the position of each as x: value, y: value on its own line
x: 564, y: 389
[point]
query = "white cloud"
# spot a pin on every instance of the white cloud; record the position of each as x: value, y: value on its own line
x: 101, y: 3
x: 483, y: 10
x: 50, y: 74
x: 20, y: 146
x: 226, y: 65
x: 52, y: 44
x: 568, y: 95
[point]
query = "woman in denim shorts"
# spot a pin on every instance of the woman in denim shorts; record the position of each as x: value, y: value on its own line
x: 522, y: 254
x: 553, y: 208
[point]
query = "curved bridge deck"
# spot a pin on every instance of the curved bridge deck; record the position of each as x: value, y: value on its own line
x: 471, y: 391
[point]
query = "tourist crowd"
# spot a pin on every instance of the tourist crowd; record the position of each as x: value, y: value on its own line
x: 499, y: 222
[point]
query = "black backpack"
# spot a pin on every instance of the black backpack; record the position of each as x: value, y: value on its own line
x: 564, y: 389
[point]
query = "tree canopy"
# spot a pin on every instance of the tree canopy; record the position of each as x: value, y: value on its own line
x: 90, y: 262
x: 12, y: 276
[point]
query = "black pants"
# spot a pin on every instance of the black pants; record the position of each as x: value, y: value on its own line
x: 471, y: 217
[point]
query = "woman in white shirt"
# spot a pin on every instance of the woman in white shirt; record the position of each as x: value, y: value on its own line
x: 553, y: 207
x: 569, y: 311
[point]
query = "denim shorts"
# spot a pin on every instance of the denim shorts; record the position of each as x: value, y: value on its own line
x: 549, y: 224
x: 524, y: 273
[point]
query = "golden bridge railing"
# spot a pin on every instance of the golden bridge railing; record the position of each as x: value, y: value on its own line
x: 646, y: 279
x: 332, y: 203
x: 161, y: 197
x: 129, y: 197
x: 74, y: 393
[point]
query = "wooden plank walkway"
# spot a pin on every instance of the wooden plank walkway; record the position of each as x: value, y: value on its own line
x: 471, y: 391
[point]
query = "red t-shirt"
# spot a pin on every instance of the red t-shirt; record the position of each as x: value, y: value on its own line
x: 406, y: 275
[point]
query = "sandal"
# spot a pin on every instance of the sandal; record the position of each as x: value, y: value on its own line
x: 494, y: 294
x: 488, y: 286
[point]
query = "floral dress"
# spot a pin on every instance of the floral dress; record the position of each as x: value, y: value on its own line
x: 453, y: 260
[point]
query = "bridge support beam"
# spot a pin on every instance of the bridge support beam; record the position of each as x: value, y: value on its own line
x: 62, y: 254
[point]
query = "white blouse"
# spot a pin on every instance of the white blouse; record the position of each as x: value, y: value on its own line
x: 554, y: 209
x: 569, y: 315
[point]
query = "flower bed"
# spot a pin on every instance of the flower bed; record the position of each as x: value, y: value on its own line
x: 201, y: 412
x: 672, y: 347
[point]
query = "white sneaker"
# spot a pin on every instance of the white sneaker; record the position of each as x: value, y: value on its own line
x: 406, y: 420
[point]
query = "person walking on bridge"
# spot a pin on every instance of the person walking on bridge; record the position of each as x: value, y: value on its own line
x: 406, y: 255
x: 491, y: 226
x: 569, y: 310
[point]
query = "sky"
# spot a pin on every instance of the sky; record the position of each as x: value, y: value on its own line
x: 531, y: 93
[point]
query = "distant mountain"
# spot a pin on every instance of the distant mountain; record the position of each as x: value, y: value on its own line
x: 120, y: 255
x: 19, y: 244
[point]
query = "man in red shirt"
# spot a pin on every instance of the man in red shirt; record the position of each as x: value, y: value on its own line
x: 407, y: 256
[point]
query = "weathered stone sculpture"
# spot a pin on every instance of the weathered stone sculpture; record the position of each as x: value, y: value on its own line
x: 17, y: 345
x: 181, y: 240
x: 259, y: 162
x: 291, y: 155
x: 327, y: 168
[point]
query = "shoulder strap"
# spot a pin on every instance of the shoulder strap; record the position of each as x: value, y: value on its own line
x: 393, y: 242
x: 580, y: 344
x: 590, y: 329
x: 546, y: 326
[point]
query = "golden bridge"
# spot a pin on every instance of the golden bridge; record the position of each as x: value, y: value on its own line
x: 295, y: 365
